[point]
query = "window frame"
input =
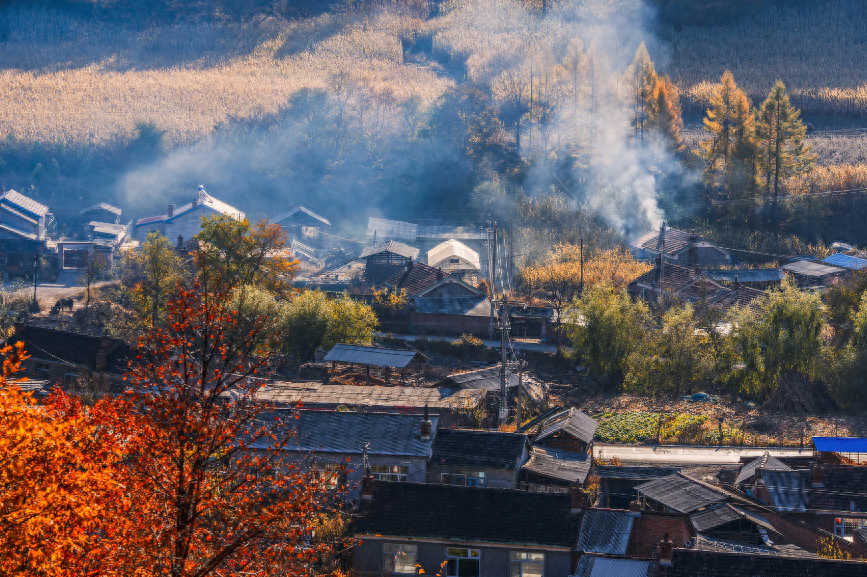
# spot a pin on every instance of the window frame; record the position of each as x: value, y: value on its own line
x: 389, y: 559
x: 331, y: 471
x: 42, y: 372
x: 399, y: 475
x: 454, y: 558
x: 518, y: 559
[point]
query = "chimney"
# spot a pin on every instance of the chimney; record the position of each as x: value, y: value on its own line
x: 665, y: 549
x: 171, y: 211
x: 817, y: 475
x: 576, y: 504
x: 180, y: 241
x: 367, y: 486
x: 409, y: 264
x: 426, y: 426
x: 657, y: 271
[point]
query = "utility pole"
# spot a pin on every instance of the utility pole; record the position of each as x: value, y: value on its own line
x: 504, y: 336
x: 35, y: 279
x: 582, y: 266
x: 518, y: 397
x: 492, y: 256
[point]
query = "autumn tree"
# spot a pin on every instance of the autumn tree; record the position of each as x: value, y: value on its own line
x: 730, y: 151
x: 150, y: 275
x: 641, y: 80
x: 847, y: 366
x: 313, y: 320
x: 240, y: 253
x: 206, y: 491
x: 667, y: 116
x: 557, y: 278
x: 780, y: 139
x: 96, y: 266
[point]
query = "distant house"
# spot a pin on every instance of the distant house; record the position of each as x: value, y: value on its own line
x: 414, y: 279
x: 100, y: 212
x: 451, y: 306
x: 685, y: 249
x: 74, y: 254
x: 456, y: 258
x: 185, y: 222
x: 672, y: 281
x: 758, y: 278
x: 67, y: 358
x: 113, y: 234
x: 552, y: 470
x: 568, y: 430
x: 404, y: 526
x: 809, y: 273
x: 386, y: 259
x: 678, y: 493
x: 23, y: 227
x: 397, y: 446
x: 474, y: 458
x: 617, y: 483
x: 302, y: 224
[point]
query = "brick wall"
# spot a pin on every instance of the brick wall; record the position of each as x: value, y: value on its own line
x: 649, y: 529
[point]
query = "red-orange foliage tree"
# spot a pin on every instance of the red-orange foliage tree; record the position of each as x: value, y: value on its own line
x: 206, y: 491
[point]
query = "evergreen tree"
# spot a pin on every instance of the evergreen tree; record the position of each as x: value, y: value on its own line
x: 780, y: 138
x: 641, y: 80
x: 730, y: 152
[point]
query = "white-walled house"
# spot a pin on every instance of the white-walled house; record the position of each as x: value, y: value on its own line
x: 185, y: 221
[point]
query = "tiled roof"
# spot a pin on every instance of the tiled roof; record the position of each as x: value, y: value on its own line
x: 17, y: 199
x: 764, y: 463
x: 103, y: 206
x: 315, y: 393
x: 675, y: 241
x: 605, y: 531
x: 558, y: 464
x: 457, y: 282
x: 671, y: 277
x: 692, y: 563
x: 746, y: 275
x: 843, y: 486
x: 788, y: 489
x: 392, y: 246
x: 347, y: 432
x: 303, y: 210
x: 638, y: 473
x: 845, y: 261
x: 415, y: 278
x: 452, y: 249
x: 741, y: 297
x: 571, y: 421
x: 680, y: 493
x: 485, y: 449
x: 470, y: 306
x: 593, y: 566
x: 374, y: 356
x: 454, y: 513
x: 71, y: 348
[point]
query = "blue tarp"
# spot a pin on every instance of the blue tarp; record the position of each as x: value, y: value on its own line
x: 840, y: 444
x: 845, y: 261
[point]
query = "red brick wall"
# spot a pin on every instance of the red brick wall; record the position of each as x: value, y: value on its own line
x: 649, y: 529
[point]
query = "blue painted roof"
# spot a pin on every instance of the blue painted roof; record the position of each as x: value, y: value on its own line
x: 845, y: 261
x: 840, y: 444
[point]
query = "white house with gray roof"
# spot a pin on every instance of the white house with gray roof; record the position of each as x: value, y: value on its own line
x: 186, y: 221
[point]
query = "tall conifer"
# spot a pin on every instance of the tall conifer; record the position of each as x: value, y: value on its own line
x: 641, y: 80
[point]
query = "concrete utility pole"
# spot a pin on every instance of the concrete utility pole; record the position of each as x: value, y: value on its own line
x: 504, y: 337
x: 518, y: 397
x: 492, y: 277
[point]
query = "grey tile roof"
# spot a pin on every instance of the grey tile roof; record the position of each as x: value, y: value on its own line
x: 316, y: 393
x: 485, y: 449
x: 374, y: 356
x: 724, y: 513
x: 392, y: 246
x: 592, y: 566
x: 571, y: 421
x: 605, y: 531
x: 470, y: 306
x: 680, y: 493
x: 19, y: 200
x: 638, y: 473
x: 448, y: 512
x: 764, y: 463
x: 558, y: 464
x: 347, y: 432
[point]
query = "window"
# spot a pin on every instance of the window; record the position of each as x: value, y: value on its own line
x: 455, y: 261
x: 476, y: 479
x: 471, y: 479
x: 462, y: 562
x: 527, y: 564
x: 331, y: 472
x: 389, y: 472
x: 400, y: 558
x: 43, y: 372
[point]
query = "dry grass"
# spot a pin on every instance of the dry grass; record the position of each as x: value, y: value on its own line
x: 187, y: 79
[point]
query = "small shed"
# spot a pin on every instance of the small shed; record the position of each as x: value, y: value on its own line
x: 812, y: 273
x: 570, y: 430
x: 367, y: 357
x: 554, y: 471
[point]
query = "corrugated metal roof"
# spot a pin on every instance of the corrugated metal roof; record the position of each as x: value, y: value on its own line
x: 706, y: 543
x: 846, y: 261
x: 571, y: 421
x: 384, y: 228
x: 605, y: 531
x: 359, y: 355
x: 393, y: 246
x: 347, y: 432
x: 840, y: 444
x: 591, y: 566
x: 14, y: 230
x: 458, y: 232
x: 764, y: 463
x: 439, y: 255
x: 680, y: 493
x: 558, y: 464
x: 747, y: 275
x: 810, y: 268
x: 788, y: 489
x: 714, y: 516
x: 25, y: 202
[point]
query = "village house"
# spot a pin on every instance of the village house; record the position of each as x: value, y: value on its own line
x: 677, y: 247
x: 568, y: 430
x: 473, y: 458
x: 617, y: 483
x: 809, y: 273
x: 24, y: 225
x: 450, y: 306
x: 476, y: 533
x: 386, y: 259
x: 414, y: 279
x: 185, y: 222
x: 554, y: 471
x: 304, y: 224
x: 101, y: 213
x: 455, y: 258
x: 71, y: 359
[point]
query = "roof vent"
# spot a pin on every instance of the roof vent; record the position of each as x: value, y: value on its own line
x: 171, y: 210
